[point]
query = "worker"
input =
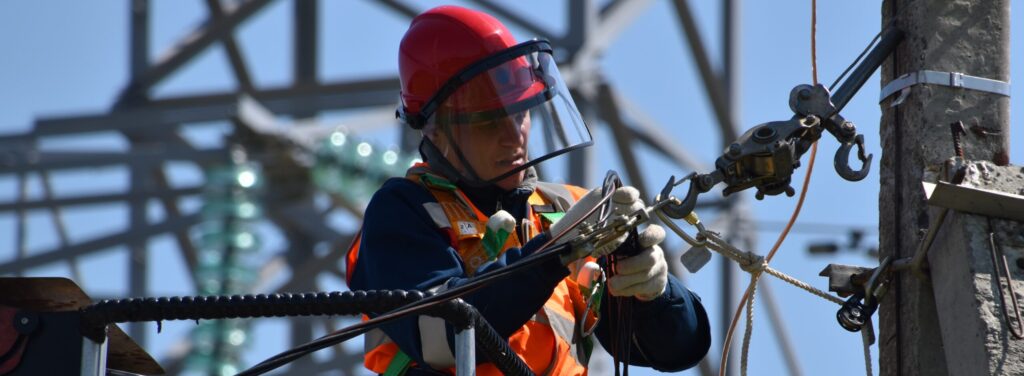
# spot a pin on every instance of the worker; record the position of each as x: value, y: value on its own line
x: 490, y: 110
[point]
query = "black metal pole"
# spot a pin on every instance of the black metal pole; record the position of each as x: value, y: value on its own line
x: 892, y: 37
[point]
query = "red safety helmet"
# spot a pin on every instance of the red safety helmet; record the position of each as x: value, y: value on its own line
x: 443, y: 41
x: 460, y: 66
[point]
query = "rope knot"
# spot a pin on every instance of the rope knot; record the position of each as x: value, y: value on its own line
x: 753, y: 264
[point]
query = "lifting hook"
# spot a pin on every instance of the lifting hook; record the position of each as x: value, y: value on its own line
x: 766, y: 156
x: 699, y: 183
x: 842, y: 160
x: 679, y: 211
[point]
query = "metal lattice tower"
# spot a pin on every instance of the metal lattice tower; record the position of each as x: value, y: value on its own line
x: 292, y: 203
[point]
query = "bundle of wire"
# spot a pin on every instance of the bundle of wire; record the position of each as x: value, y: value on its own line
x: 622, y: 327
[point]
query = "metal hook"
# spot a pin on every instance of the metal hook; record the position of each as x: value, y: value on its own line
x: 842, y: 160
x: 687, y: 204
x: 872, y: 287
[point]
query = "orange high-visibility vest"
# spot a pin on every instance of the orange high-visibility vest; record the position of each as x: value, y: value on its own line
x: 551, y: 343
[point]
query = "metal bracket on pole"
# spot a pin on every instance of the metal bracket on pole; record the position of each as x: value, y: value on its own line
x: 846, y: 280
x: 972, y: 200
x: 952, y: 79
x: 465, y: 352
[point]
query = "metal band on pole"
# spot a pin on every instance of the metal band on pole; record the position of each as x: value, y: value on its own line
x: 951, y: 79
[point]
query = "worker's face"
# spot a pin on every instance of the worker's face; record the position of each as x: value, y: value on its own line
x: 492, y: 147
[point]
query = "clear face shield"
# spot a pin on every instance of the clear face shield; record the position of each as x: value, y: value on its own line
x: 505, y: 114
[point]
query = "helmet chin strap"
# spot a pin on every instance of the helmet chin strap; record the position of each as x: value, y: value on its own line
x: 439, y: 162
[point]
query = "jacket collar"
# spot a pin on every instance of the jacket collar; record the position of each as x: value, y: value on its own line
x: 488, y: 199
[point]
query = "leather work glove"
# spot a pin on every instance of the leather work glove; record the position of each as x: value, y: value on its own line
x: 624, y: 200
x: 646, y: 274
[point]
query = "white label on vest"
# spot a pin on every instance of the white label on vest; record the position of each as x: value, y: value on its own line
x: 467, y: 228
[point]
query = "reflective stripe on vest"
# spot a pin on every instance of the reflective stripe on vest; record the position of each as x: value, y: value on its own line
x: 549, y: 342
x: 437, y: 214
x: 434, y: 342
x: 434, y: 338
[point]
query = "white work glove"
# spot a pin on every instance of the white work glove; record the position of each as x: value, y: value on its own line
x: 646, y: 274
x: 625, y: 200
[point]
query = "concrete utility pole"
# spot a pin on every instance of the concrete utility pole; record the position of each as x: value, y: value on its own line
x: 953, y: 324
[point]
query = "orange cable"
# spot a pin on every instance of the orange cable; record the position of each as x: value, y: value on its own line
x: 796, y: 210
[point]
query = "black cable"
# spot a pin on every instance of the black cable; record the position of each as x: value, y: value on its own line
x: 546, y: 252
x: 461, y: 315
x: 496, y: 348
x: 95, y: 317
x: 890, y: 24
x: 622, y: 327
x: 417, y: 307
x: 622, y: 331
x: 831, y: 88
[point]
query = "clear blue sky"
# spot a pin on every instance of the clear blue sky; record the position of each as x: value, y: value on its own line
x: 66, y: 57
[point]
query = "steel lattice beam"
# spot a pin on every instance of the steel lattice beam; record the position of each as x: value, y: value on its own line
x: 238, y: 65
x: 712, y: 87
x: 198, y: 40
x: 57, y: 203
x: 30, y: 161
x: 157, y: 114
x: 95, y: 245
x: 151, y: 125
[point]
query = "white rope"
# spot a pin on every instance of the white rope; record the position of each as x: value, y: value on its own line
x: 803, y: 285
x: 756, y: 265
x: 749, y: 331
x: 867, y: 350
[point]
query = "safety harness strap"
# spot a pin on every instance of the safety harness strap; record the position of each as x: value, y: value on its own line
x: 453, y: 214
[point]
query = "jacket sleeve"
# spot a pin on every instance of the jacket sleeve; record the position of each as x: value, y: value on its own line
x: 670, y: 333
x: 402, y: 248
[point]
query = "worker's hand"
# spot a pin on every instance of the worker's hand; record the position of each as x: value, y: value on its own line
x: 644, y: 275
x: 625, y: 200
